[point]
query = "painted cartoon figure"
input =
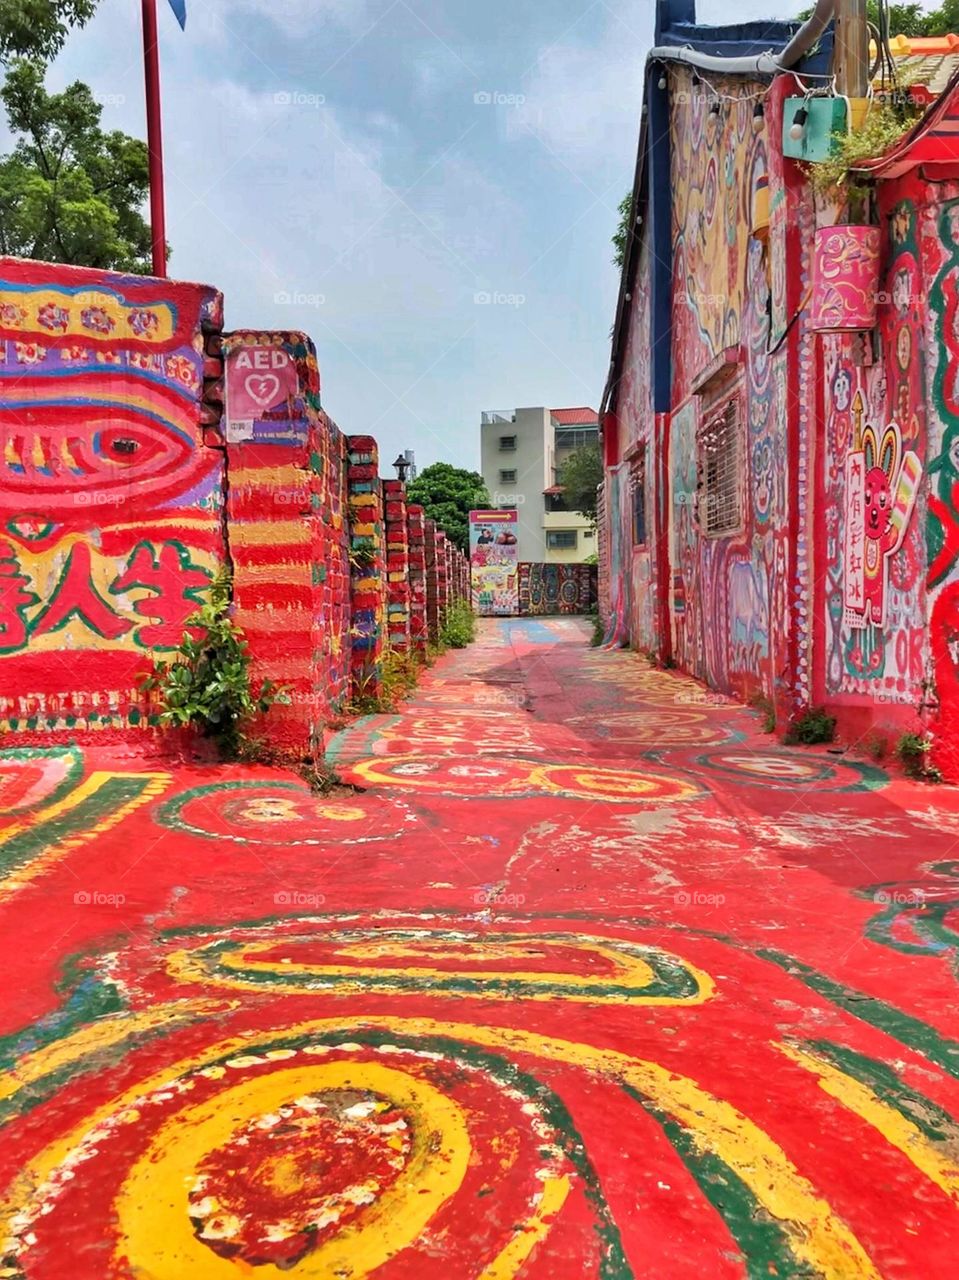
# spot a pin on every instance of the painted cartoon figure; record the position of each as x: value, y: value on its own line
x: 881, y: 487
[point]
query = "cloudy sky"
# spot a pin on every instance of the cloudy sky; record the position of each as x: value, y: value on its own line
x: 427, y: 187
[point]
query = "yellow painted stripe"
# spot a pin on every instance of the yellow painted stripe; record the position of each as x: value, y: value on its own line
x: 269, y: 476
x: 269, y: 533
x: 528, y: 1234
x: 155, y: 784
x: 100, y: 1035
x: 894, y: 1127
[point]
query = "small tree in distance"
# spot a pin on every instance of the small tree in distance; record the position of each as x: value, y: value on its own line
x: 448, y: 494
x: 581, y: 475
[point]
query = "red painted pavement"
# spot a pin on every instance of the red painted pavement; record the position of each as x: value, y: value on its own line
x: 589, y: 978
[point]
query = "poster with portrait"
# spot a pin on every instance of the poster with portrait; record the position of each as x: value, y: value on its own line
x: 493, y: 562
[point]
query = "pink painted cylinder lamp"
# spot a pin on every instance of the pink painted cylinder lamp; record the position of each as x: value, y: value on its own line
x: 845, y: 279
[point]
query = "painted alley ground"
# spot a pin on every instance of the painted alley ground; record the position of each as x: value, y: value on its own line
x: 588, y: 978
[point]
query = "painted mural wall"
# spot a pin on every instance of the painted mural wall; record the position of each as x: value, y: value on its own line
x: 732, y: 298
x: 872, y: 601
x: 546, y: 589
x: 112, y: 489
x: 631, y: 614
x: 938, y: 515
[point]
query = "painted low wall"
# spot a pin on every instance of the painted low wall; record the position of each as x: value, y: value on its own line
x: 112, y: 491
x: 546, y: 589
x: 144, y: 450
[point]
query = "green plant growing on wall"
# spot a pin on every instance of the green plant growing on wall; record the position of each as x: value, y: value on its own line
x: 812, y: 727
x: 912, y: 752
x: 620, y: 236
x: 459, y: 626
x: 207, y: 685
x: 884, y: 125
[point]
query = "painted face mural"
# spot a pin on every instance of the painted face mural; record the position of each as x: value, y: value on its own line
x: 109, y: 499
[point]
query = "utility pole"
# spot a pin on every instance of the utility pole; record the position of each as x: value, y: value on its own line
x: 851, y: 55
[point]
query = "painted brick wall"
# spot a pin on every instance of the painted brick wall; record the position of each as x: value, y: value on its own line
x: 367, y: 560
x: 416, y: 533
x: 397, y: 565
x: 287, y: 541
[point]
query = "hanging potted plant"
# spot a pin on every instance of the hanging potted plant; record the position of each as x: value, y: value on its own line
x: 846, y: 256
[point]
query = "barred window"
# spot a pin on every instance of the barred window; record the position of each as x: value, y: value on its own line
x: 637, y: 485
x: 507, y: 444
x: 719, y: 480
x: 507, y: 477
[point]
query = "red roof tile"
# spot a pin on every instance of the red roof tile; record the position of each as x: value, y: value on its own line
x: 583, y: 416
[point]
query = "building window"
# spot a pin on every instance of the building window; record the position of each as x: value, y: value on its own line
x: 507, y: 477
x: 719, y: 472
x: 575, y: 437
x: 561, y: 539
x: 507, y: 444
x: 637, y: 487
x: 556, y: 502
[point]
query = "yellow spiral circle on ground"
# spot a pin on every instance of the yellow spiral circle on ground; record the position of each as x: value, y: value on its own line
x: 156, y: 1235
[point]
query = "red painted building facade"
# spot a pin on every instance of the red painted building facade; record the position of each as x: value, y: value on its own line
x: 781, y: 504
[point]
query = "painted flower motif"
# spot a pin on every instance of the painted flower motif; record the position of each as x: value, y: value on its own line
x: 143, y: 323
x: 98, y: 320
x: 54, y: 318
x: 29, y: 352
x: 109, y: 357
x: 12, y: 315
x: 77, y: 354
x: 142, y: 360
x: 181, y: 369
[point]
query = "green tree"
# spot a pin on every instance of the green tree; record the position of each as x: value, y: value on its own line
x: 911, y: 19
x: 38, y: 28
x: 581, y: 475
x: 448, y: 494
x: 70, y: 192
x: 621, y: 234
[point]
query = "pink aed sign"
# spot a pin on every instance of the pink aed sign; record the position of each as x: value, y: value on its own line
x: 259, y: 380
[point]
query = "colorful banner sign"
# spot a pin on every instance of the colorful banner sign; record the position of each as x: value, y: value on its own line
x: 493, y: 562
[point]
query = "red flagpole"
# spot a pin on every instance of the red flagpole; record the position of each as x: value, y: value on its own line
x: 151, y: 56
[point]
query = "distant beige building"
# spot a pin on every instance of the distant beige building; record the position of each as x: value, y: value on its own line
x: 522, y: 453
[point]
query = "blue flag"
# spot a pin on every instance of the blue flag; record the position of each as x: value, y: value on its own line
x: 179, y: 8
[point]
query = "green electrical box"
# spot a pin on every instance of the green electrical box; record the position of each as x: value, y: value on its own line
x: 825, y: 117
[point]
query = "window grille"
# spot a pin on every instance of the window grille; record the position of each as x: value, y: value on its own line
x: 637, y: 485
x: 719, y: 484
x: 507, y: 443
x: 507, y: 477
